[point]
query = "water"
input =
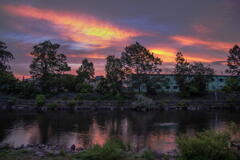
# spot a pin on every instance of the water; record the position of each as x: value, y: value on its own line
x: 156, y: 130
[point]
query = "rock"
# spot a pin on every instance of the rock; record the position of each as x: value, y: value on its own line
x: 73, y: 147
x: 39, y: 154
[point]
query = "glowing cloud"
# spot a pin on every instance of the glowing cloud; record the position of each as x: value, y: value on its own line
x: 91, y: 55
x: 214, y: 45
x: 76, y: 27
x: 169, y: 55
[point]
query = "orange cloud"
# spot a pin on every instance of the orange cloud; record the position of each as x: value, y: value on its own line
x: 77, y: 27
x: 169, y: 55
x: 214, y: 45
x: 92, y: 55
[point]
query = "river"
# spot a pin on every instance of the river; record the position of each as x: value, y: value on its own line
x: 155, y: 130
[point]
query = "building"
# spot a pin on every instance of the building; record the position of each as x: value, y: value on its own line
x: 217, y: 83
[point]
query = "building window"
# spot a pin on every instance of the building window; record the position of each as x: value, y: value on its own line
x: 221, y: 80
x: 168, y: 87
x: 175, y: 87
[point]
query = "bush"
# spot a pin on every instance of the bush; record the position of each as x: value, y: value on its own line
x: 111, y: 150
x: 143, y: 102
x: 71, y: 103
x: 148, y: 155
x: 40, y: 100
x: 52, y: 105
x: 84, y: 88
x: 208, y: 145
x: 183, y: 104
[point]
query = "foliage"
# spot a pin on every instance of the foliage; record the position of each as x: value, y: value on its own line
x: 148, y: 155
x: 83, y: 88
x: 114, y: 75
x: 183, y: 104
x: 5, y: 57
x: 71, y: 103
x: 232, y: 85
x: 208, y: 145
x: 143, y: 102
x: 136, y: 59
x: 40, y: 100
x: 111, y: 150
x: 52, y: 105
x: 26, y: 89
x: 232, y: 100
x: 192, y: 79
x: 86, y: 71
x: 7, y: 82
x: 47, y: 62
x: 233, y: 61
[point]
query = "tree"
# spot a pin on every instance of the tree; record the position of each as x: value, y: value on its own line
x: 181, y: 71
x: 136, y: 59
x: 46, y: 61
x: 7, y: 79
x: 201, y: 76
x: 114, y: 74
x: 192, y: 79
x: 86, y: 71
x: 233, y: 61
x: 5, y: 57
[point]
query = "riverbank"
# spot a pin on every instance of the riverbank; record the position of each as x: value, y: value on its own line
x: 47, y: 152
x: 74, y: 105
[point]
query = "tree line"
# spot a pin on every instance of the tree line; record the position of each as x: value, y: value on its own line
x: 136, y: 66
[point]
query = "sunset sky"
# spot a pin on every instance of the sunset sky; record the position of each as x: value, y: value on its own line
x: 204, y: 30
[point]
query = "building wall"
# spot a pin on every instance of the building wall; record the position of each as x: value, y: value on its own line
x: 217, y: 83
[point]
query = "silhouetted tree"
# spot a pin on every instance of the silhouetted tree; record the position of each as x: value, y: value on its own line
x: 7, y: 79
x: 181, y: 71
x: 233, y: 61
x: 5, y: 57
x: 192, y: 79
x: 86, y: 71
x: 47, y: 65
x: 114, y: 74
x: 138, y: 60
x: 46, y: 61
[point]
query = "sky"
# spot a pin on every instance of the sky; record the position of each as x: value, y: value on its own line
x: 203, y: 30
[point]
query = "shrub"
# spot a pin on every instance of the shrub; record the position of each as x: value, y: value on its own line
x: 84, y: 88
x: 208, y: 145
x: 40, y: 100
x: 52, y: 105
x: 71, y: 103
x: 111, y: 150
x: 143, y: 102
x: 148, y: 155
x: 183, y: 104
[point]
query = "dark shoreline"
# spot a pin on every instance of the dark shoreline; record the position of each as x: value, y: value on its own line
x: 163, y: 105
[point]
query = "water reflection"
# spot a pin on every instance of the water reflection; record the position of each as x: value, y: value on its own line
x: 156, y: 130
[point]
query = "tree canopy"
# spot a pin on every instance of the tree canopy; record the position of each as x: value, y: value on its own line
x: 192, y: 79
x: 5, y: 57
x: 139, y: 62
x: 137, y: 59
x: 46, y: 61
x: 233, y: 61
x: 114, y: 74
x: 86, y: 71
